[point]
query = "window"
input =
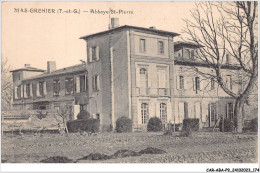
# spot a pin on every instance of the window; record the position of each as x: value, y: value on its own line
x: 69, y: 86
x: 143, y: 78
x: 98, y: 116
x: 197, y: 83
x: 161, y: 78
x: 181, y: 82
x: 163, y: 112
x: 94, y: 55
x: 144, y: 113
x: 28, y: 90
x: 142, y: 45
x: 19, y: 92
x: 186, y: 53
x: 183, y: 111
x: 82, y: 83
x: 56, y: 87
x: 229, y: 82
x: 192, y: 54
x: 212, y: 112
x: 95, y: 83
x: 230, y: 111
x: 161, y: 47
x: 227, y: 59
x: 41, y: 88
x: 212, y: 84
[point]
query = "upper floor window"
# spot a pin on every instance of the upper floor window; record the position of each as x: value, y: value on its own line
x: 197, y: 83
x: 143, y: 78
x: 227, y: 58
x: 93, y: 53
x: 181, y: 82
x: 41, y: 88
x: 162, y: 78
x: 212, y: 84
x: 69, y: 86
x: 28, y: 90
x: 19, y: 92
x: 192, y: 55
x: 56, y: 87
x: 96, y: 83
x: 142, y: 45
x: 161, y: 47
x: 229, y: 82
x: 82, y: 83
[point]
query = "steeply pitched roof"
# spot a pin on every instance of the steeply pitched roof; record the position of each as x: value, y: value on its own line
x: 180, y: 44
x: 66, y: 70
x: 28, y: 69
x: 155, y: 31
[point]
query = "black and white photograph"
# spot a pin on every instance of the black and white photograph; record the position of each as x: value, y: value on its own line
x: 130, y: 82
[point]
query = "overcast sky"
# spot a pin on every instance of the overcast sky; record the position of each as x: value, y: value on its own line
x: 35, y: 38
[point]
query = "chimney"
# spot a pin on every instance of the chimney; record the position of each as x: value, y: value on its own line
x: 26, y: 65
x: 51, y: 66
x: 152, y: 27
x: 114, y: 23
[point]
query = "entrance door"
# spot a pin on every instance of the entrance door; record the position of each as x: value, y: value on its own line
x: 212, y: 114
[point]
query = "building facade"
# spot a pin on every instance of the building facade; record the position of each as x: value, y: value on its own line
x: 138, y: 73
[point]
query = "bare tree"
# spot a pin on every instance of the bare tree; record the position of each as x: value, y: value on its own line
x: 227, y: 28
x: 63, y: 113
x: 6, y: 84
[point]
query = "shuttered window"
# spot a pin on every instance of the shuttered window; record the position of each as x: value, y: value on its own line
x: 56, y: 87
x: 69, y: 86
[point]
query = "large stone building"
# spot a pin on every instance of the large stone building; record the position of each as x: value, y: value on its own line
x: 134, y: 72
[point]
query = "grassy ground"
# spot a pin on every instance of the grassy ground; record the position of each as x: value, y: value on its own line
x: 201, y: 147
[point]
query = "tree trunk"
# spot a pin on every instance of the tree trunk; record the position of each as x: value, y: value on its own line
x: 238, y: 115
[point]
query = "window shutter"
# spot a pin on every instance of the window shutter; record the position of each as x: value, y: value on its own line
x: 98, y: 82
x: 202, y: 81
x: 77, y: 84
x: 194, y: 83
x: 15, y: 92
x: 230, y: 82
x: 137, y: 77
x: 149, y: 78
x: 185, y: 81
x: 97, y: 53
x: 38, y: 89
x: 86, y: 83
x: 31, y: 90
x: 90, y: 54
x: 186, y: 113
x: 178, y: 82
x: 44, y: 88
x: 22, y: 91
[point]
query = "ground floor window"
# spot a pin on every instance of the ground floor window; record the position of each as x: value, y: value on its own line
x: 230, y: 111
x: 163, y: 112
x: 144, y: 113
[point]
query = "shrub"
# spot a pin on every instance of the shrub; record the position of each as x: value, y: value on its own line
x: 151, y: 150
x: 125, y: 153
x: 57, y: 159
x: 190, y: 124
x: 154, y: 125
x: 123, y: 124
x: 87, y: 125
x: 83, y: 114
x: 254, y: 125
x: 95, y: 156
x: 228, y: 125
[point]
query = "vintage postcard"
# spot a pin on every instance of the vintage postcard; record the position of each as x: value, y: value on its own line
x: 130, y: 82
